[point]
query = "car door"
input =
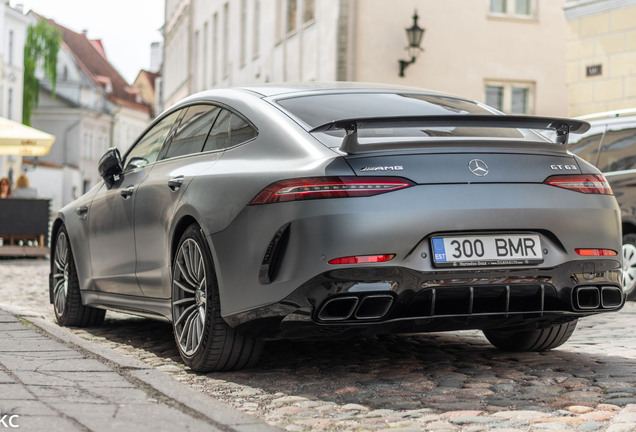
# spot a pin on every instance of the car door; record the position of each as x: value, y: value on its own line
x: 111, y: 216
x: 158, y: 196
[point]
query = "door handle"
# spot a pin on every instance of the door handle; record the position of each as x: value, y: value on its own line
x: 127, y: 192
x: 175, y: 183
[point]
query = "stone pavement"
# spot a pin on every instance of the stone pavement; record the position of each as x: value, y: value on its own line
x: 49, y: 383
x: 454, y: 381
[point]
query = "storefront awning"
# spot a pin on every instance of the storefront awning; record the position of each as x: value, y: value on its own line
x: 20, y: 140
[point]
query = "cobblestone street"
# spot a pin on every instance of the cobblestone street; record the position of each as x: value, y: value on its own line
x: 444, y: 381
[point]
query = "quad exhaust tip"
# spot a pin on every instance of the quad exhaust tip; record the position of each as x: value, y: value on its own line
x: 373, y: 306
x: 589, y: 298
x: 338, y: 309
x: 611, y: 297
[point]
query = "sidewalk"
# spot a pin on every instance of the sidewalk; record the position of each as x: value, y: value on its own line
x: 52, y: 380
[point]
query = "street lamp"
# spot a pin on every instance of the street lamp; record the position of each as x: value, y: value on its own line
x: 414, y: 35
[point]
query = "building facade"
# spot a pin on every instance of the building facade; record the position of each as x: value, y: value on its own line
x: 147, y: 83
x: 13, y: 30
x: 508, y: 53
x: 94, y: 109
x: 601, y: 55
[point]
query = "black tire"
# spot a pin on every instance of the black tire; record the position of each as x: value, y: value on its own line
x: 65, y: 289
x: 629, y: 266
x: 531, y: 340
x: 207, y: 344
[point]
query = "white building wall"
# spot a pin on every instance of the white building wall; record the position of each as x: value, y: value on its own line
x: 128, y: 125
x: 59, y: 184
x: 465, y: 46
x: 176, y: 72
x: 214, y: 43
x: 13, y: 28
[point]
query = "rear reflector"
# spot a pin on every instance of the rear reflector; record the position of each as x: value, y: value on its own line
x: 596, y: 252
x: 364, y: 259
x: 584, y: 183
x: 328, y: 187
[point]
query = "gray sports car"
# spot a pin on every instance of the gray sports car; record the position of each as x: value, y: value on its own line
x: 315, y: 210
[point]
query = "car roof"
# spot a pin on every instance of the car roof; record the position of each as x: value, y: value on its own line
x: 276, y: 90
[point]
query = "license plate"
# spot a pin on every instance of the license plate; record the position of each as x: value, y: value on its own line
x: 486, y: 250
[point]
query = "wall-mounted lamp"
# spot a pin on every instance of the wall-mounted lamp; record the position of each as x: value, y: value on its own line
x: 414, y: 34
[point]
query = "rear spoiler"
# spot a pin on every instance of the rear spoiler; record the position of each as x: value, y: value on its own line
x: 563, y: 127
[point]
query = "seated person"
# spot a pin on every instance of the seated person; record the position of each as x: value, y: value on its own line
x: 5, y: 187
x: 22, y: 189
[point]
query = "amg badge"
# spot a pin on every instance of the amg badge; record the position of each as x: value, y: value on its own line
x: 384, y: 168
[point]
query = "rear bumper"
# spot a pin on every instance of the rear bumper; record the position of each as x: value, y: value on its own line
x: 343, y: 303
x: 273, y: 254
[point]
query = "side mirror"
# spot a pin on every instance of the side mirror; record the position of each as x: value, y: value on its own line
x: 110, y: 166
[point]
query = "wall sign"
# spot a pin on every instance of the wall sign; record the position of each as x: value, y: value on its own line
x: 594, y: 70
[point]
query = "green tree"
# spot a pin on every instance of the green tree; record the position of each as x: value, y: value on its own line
x: 41, y: 47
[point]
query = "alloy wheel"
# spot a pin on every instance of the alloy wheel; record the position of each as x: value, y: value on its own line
x: 629, y: 268
x: 189, y: 307
x: 60, y: 274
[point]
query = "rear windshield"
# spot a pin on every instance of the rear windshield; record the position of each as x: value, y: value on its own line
x: 317, y: 110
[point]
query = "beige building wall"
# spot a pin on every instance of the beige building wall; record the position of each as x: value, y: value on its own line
x: 466, y: 46
x: 601, y: 33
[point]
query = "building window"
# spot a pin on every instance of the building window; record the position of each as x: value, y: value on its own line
x: 243, y: 47
x: 215, y: 46
x: 11, y: 47
x: 85, y: 147
x: 10, y: 103
x: 226, y: 39
x: 511, y: 98
x: 292, y: 6
x: 516, y: 8
x: 519, y: 101
x: 309, y: 12
x: 256, y: 29
x: 195, y: 63
x: 205, y: 80
x: 494, y: 96
x: 278, y: 27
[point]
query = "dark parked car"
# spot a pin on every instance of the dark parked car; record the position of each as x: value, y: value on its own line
x: 307, y: 211
x: 610, y: 145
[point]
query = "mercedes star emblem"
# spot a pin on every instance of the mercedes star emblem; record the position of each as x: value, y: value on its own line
x: 478, y: 167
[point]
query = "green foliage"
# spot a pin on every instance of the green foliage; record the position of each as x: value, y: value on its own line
x: 41, y: 47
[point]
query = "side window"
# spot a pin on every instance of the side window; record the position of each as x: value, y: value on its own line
x: 619, y: 148
x: 587, y: 146
x: 192, y: 131
x: 147, y: 149
x: 228, y: 130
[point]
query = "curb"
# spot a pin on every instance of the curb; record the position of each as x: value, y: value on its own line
x: 197, y: 404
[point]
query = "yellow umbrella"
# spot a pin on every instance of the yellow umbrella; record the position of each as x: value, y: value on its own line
x: 20, y: 140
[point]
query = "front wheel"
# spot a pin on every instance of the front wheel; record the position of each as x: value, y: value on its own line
x: 531, y: 340
x: 205, y: 341
x: 629, y: 266
x: 67, y: 301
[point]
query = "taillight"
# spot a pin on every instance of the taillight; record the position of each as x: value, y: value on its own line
x: 584, y: 183
x: 328, y: 187
x: 363, y: 259
x: 596, y: 252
